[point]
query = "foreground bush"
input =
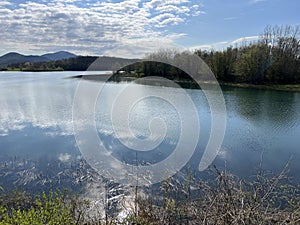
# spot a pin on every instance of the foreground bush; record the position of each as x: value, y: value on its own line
x: 224, y: 199
x: 51, y: 209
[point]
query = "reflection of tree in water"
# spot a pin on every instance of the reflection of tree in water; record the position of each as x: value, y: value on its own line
x: 245, y: 102
x: 281, y: 108
x: 261, y: 122
x: 277, y: 108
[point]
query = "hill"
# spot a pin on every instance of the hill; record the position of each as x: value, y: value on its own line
x: 78, y: 63
x: 59, y: 55
x: 17, y: 58
x: 13, y: 57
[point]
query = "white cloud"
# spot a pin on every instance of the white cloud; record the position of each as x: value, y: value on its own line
x: 4, y: 3
x: 211, y: 46
x: 224, y: 44
x: 257, y: 1
x: 95, y: 28
x: 172, y: 8
x: 172, y: 21
x: 245, y: 39
x: 230, y: 18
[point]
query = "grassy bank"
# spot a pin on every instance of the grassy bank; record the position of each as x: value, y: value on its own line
x: 277, y: 87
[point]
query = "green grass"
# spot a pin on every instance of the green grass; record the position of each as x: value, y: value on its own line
x: 12, y: 69
x: 277, y: 87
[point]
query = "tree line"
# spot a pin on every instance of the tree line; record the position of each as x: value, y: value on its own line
x: 273, y: 58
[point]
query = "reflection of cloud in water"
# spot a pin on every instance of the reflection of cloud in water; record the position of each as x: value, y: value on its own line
x: 257, y: 121
x: 43, y: 103
x: 64, y: 157
x: 223, y: 153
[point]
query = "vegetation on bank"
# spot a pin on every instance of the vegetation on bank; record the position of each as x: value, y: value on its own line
x: 277, y: 87
x: 19, y: 208
x: 223, y: 199
x: 274, y: 59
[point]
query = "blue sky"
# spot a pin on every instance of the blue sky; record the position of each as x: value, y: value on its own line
x: 133, y: 28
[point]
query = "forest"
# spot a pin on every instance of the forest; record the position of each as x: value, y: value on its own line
x: 273, y: 59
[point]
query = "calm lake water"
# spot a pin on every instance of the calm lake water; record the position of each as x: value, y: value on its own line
x: 37, y: 141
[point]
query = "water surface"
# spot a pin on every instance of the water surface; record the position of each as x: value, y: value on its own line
x: 37, y: 140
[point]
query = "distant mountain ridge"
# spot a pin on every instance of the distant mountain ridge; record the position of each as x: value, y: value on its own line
x: 16, y: 58
x: 59, y: 55
x: 61, y: 60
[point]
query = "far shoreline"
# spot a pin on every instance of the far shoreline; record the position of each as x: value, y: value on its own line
x: 275, y: 87
x: 191, y: 85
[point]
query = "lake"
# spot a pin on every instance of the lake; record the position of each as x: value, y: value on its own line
x: 38, y: 146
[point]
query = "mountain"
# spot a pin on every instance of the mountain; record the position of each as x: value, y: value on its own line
x: 17, y: 58
x: 13, y: 58
x: 80, y: 63
x: 61, y: 60
x: 59, y: 55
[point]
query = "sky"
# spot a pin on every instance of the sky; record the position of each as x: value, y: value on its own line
x: 133, y: 28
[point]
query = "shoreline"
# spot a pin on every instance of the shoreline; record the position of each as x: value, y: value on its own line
x: 194, y: 85
x: 191, y: 84
x: 274, y: 87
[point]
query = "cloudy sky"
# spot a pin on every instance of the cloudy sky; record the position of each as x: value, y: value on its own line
x: 131, y: 28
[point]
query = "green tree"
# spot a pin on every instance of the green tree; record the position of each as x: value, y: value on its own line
x: 252, y: 64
